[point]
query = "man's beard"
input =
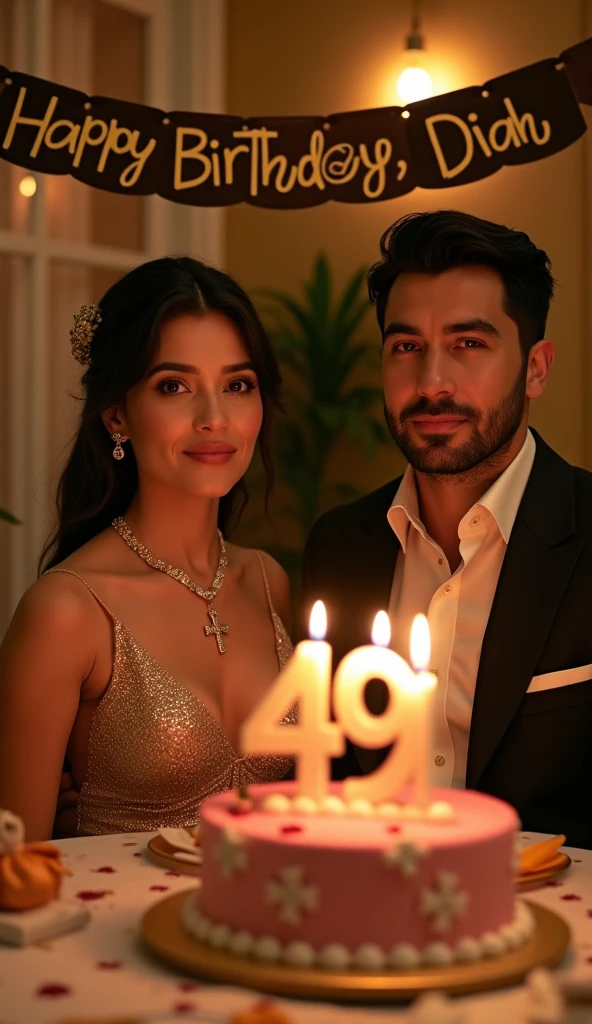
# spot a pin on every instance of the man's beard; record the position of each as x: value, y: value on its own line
x: 486, y: 444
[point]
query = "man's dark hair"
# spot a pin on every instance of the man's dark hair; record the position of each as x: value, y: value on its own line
x: 445, y: 239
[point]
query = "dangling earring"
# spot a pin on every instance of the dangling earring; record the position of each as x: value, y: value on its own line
x: 118, y: 452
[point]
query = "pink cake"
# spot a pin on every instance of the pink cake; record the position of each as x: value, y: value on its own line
x: 356, y: 886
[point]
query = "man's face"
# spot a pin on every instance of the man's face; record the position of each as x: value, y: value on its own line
x: 455, y: 379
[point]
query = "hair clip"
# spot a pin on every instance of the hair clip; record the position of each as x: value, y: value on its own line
x: 81, y: 335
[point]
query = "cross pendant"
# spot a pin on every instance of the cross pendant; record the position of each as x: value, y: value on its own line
x: 215, y: 629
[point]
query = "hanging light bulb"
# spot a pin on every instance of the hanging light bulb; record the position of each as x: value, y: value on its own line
x: 414, y: 83
x: 27, y: 186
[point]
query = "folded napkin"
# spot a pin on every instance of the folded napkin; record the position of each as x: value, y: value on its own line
x: 541, y: 856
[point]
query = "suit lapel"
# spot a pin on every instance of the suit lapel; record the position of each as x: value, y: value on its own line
x: 539, y: 561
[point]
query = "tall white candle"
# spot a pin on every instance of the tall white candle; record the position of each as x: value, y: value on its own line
x: 425, y: 683
x: 398, y: 723
x: 316, y: 739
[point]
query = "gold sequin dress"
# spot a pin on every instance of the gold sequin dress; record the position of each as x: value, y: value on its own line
x: 155, y: 752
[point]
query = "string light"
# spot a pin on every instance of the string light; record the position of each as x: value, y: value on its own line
x: 414, y: 83
x: 28, y: 186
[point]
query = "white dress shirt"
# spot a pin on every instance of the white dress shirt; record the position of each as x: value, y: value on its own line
x: 457, y: 605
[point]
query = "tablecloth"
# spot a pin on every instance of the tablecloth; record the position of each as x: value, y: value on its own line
x: 103, y: 972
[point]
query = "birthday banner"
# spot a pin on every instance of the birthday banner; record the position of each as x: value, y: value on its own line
x: 292, y: 162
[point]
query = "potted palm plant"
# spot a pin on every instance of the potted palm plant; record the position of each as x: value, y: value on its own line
x: 333, y: 391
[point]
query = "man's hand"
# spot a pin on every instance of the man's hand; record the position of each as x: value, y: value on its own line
x: 66, y: 819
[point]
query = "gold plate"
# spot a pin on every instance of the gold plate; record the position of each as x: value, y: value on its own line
x: 161, y: 853
x: 534, y: 879
x: 163, y: 933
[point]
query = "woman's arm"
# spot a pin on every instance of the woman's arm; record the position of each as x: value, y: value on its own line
x: 44, y: 660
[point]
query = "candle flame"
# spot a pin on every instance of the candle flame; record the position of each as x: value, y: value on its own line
x: 381, y: 630
x: 421, y: 646
x: 318, y: 621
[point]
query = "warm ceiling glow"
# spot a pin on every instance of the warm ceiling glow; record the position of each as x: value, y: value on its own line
x: 381, y: 630
x: 414, y: 84
x: 28, y: 186
x: 318, y: 621
x: 421, y: 647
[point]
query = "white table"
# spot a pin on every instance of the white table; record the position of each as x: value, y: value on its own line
x: 102, y: 971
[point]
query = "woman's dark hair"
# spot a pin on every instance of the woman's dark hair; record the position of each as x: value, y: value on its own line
x: 439, y: 241
x: 94, y: 488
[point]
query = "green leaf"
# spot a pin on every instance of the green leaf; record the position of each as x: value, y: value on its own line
x: 8, y: 517
x: 346, y: 492
x: 300, y: 315
x: 363, y: 397
x: 318, y: 291
x: 350, y: 297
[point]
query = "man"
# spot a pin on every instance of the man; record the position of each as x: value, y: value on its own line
x: 488, y: 532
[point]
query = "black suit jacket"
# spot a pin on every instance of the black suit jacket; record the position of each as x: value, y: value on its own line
x: 533, y: 750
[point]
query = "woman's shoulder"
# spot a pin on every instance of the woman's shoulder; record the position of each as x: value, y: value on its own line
x: 276, y: 574
x: 277, y: 577
x: 59, y: 599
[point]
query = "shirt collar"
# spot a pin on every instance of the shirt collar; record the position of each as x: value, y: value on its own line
x: 505, y: 494
x: 501, y: 500
x: 404, y: 510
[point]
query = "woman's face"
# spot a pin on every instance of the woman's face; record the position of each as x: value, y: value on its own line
x: 194, y: 419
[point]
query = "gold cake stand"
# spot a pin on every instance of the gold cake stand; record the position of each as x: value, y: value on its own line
x: 163, y: 933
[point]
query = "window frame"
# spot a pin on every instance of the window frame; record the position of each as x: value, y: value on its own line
x: 195, y: 83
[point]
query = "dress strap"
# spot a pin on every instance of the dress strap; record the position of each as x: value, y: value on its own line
x: 283, y: 644
x: 69, y: 572
x: 266, y: 582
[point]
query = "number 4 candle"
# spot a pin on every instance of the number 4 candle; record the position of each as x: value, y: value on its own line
x: 316, y: 739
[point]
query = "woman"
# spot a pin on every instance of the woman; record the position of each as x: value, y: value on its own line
x: 147, y: 641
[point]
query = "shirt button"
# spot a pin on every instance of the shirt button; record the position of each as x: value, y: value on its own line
x: 447, y: 588
x: 439, y: 760
x: 440, y: 561
x: 474, y: 520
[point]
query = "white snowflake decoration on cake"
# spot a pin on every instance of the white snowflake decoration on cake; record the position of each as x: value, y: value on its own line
x: 444, y: 903
x: 291, y: 894
x: 230, y: 853
x: 406, y: 857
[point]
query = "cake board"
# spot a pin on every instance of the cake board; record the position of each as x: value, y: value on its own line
x: 163, y: 933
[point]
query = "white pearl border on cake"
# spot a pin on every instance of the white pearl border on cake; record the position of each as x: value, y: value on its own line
x: 368, y: 956
x: 440, y: 812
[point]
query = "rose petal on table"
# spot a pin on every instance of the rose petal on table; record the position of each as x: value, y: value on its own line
x: 159, y: 888
x: 104, y: 871
x: 570, y: 896
x: 53, y: 990
x: 184, y: 1007
x: 188, y: 986
x: 109, y: 965
x: 93, y: 894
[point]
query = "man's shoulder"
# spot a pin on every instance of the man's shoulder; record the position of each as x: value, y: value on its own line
x: 555, y: 468
x: 369, y: 508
